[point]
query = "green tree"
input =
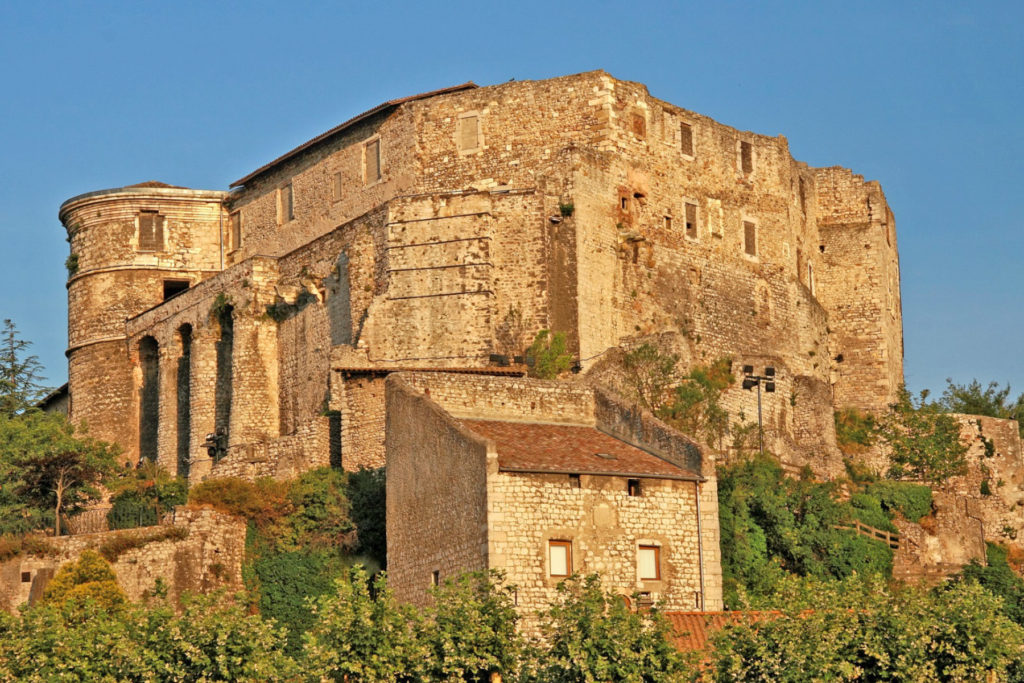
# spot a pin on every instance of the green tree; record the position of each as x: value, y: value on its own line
x: 993, y: 401
x: 367, y: 495
x: 695, y: 408
x: 650, y: 373
x: 550, y: 355
x: 361, y: 634
x: 923, y: 442
x: 55, y: 471
x: 593, y: 636
x: 20, y: 373
x: 469, y: 630
x: 856, y: 630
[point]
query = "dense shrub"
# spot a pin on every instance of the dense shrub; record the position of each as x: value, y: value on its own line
x: 855, y: 430
x: 261, y: 502
x: 772, y: 525
x: 550, y: 355
x: 115, y: 546
x: 90, y: 578
x: 868, y: 509
x: 913, y: 501
x: 367, y: 498
x: 999, y: 579
x: 142, y: 496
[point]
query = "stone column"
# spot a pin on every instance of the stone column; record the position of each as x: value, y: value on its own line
x: 202, y: 387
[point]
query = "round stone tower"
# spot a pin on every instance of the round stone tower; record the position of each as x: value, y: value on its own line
x: 131, y: 249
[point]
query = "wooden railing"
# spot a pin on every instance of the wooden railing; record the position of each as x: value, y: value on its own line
x: 890, y: 538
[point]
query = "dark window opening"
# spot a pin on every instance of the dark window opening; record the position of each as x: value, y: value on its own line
x: 174, y: 288
x: 184, y: 400
x: 149, y: 399
x: 668, y: 222
x: 749, y: 238
x: 151, y: 231
x: 636, y: 251
x: 624, y: 203
x: 686, y: 138
x: 435, y: 578
x: 26, y: 577
x: 633, y: 487
x: 691, y: 220
x: 746, y: 157
x: 821, y: 248
x: 224, y: 386
x: 574, y: 481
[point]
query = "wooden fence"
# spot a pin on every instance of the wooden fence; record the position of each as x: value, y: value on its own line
x: 890, y: 538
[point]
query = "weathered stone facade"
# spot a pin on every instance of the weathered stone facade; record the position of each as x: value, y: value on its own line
x: 208, y: 555
x: 456, y: 501
x: 435, y: 231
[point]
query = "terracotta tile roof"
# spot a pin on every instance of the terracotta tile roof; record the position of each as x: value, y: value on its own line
x: 692, y: 630
x: 469, y: 85
x: 571, y: 449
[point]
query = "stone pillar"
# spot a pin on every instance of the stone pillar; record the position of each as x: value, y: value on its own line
x: 170, y: 349
x: 202, y: 388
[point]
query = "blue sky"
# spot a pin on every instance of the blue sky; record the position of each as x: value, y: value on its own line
x: 925, y: 97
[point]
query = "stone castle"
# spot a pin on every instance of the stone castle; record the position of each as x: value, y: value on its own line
x: 440, y: 231
x: 366, y: 298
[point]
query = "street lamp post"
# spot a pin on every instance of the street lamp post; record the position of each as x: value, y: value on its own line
x: 750, y: 380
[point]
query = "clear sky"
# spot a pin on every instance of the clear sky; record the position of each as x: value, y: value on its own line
x: 926, y: 97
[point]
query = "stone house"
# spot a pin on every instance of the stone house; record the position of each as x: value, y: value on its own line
x: 542, y: 480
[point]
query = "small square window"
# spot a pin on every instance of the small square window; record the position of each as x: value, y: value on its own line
x: 371, y: 154
x: 749, y: 238
x: 574, y: 481
x: 686, y: 138
x: 648, y: 562
x: 338, y: 188
x: 26, y: 577
x: 559, y: 558
x: 691, y: 220
x: 633, y: 487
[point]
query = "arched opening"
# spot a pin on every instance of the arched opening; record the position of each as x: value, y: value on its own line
x: 149, y: 399
x: 184, y: 399
x: 224, y: 387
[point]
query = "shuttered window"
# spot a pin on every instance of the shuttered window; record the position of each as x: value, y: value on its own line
x: 750, y: 238
x: 686, y: 138
x: 151, y: 231
x: 372, y: 151
x: 469, y: 133
x: 648, y: 562
x: 691, y: 220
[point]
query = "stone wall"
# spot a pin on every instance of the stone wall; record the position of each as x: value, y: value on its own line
x: 209, y: 557
x: 437, y: 498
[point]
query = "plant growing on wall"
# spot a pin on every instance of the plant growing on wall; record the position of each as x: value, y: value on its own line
x: 71, y: 263
x: 550, y: 355
x: 695, y: 408
x: 649, y: 373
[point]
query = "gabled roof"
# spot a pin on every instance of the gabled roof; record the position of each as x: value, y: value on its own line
x: 571, y: 449
x: 469, y: 85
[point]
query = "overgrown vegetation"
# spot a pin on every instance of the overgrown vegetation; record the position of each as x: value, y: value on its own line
x: 855, y: 431
x: 923, y: 442
x: 772, y: 525
x: 992, y: 400
x: 140, y: 497
x: 550, y: 355
x: 115, y: 546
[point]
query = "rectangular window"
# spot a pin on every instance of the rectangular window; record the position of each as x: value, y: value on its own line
x: 559, y: 558
x: 435, y: 578
x: 686, y: 138
x: 468, y: 133
x: 336, y: 180
x: 574, y: 481
x: 691, y: 220
x: 235, y: 228
x: 285, y: 204
x: 750, y: 238
x: 151, y: 231
x: 372, y: 161
x: 746, y: 157
x: 26, y: 577
x: 633, y: 487
x: 668, y: 223
x: 648, y: 562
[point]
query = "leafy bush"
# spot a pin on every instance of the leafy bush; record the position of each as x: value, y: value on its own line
x: 141, y: 497
x: 913, y: 501
x: 90, y: 578
x: 999, y: 579
x: 262, y: 501
x: 855, y: 430
x: 772, y: 525
x: 868, y: 509
x: 550, y: 355
x: 923, y: 442
x: 367, y: 498
x: 694, y: 408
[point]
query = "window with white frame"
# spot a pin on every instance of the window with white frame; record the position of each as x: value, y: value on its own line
x: 648, y: 562
x: 559, y: 558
